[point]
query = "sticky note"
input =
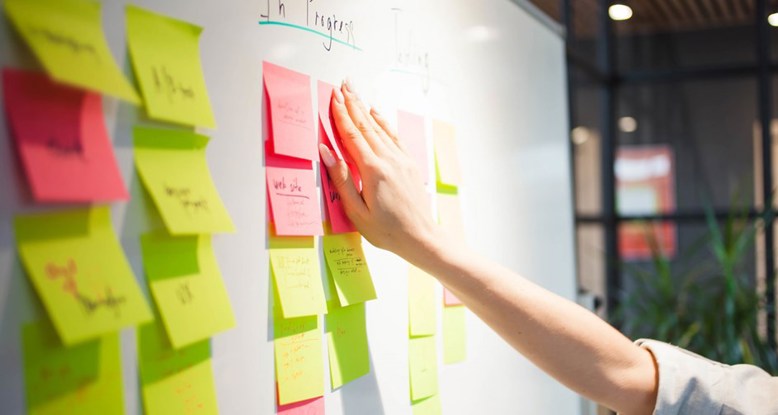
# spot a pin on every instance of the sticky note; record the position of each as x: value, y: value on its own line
x: 313, y: 406
x: 423, y: 364
x: 346, y: 332
x: 80, y: 273
x: 297, y: 279
x: 61, y: 140
x: 411, y: 132
x: 450, y: 215
x: 346, y: 261
x: 427, y: 406
x: 294, y: 201
x: 172, y: 167
x: 290, y: 110
x: 422, y: 314
x: 447, y: 173
x: 187, y: 286
x: 166, y: 57
x: 85, y: 378
x: 454, y: 343
x: 67, y: 37
x: 174, y: 381
x: 298, y: 358
x: 450, y: 299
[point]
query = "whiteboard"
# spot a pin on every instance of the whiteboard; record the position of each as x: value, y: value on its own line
x: 488, y: 67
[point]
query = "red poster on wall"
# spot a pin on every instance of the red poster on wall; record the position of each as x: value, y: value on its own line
x: 645, y: 185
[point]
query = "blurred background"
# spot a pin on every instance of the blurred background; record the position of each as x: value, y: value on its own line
x: 674, y: 129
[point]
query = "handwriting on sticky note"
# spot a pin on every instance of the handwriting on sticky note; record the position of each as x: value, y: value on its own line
x: 349, y: 358
x: 298, y: 281
x: 166, y: 57
x: 290, y: 112
x: 67, y: 37
x: 293, y: 197
x: 298, y: 357
x: 79, y: 270
x: 348, y: 266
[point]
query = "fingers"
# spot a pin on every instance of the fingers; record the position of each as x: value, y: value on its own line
x: 384, y: 126
x: 355, y: 143
x: 362, y: 119
x: 341, y: 178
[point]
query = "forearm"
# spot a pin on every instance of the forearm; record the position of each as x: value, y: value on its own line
x: 565, y: 340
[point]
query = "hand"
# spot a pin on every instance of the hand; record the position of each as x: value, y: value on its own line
x: 393, y: 210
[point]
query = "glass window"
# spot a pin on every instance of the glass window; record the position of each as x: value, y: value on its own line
x: 591, y: 266
x: 585, y: 136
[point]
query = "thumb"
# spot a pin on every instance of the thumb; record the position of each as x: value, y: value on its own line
x: 341, y: 179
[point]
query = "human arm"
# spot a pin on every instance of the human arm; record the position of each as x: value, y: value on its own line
x: 565, y: 340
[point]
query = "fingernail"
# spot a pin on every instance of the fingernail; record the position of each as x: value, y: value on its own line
x: 338, y: 95
x: 326, y: 155
x: 374, y: 109
x: 349, y: 85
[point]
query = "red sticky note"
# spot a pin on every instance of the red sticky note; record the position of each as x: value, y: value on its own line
x: 313, y: 406
x: 449, y: 299
x: 61, y: 140
x: 290, y: 113
x: 293, y: 201
x: 410, y: 131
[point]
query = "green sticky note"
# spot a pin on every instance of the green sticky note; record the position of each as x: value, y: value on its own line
x: 454, y: 349
x: 422, y: 310
x: 84, y: 379
x: 166, y: 58
x: 190, y: 295
x: 157, y: 359
x: 347, y: 343
x: 172, y: 167
x: 298, y: 282
x: 346, y: 262
x: 427, y: 406
x: 423, y: 367
x: 298, y: 358
x: 67, y: 37
x: 80, y: 273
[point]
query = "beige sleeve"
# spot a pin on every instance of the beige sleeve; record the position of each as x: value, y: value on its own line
x: 692, y: 384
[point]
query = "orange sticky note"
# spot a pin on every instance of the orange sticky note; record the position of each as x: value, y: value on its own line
x: 410, y: 130
x: 290, y: 112
x: 61, y: 140
x: 294, y: 201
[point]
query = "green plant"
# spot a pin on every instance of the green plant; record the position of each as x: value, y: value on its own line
x: 711, y: 307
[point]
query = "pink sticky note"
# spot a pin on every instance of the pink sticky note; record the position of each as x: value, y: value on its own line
x: 291, y: 117
x: 333, y: 140
x: 410, y: 131
x: 294, y: 205
x: 313, y: 406
x: 449, y: 299
x: 61, y: 140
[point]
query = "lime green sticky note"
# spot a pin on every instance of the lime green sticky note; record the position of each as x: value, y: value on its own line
x: 84, y: 379
x: 422, y: 310
x: 80, y: 273
x: 347, y: 343
x: 166, y: 58
x: 423, y: 365
x: 67, y: 37
x: 298, y: 282
x: 157, y: 359
x: 172, y: 167
x: 427, y: 406
x: 190, y: 391
x: 346, y: 261
x: 190, y: 295
x: 454, y: 349
x: 298, y: 358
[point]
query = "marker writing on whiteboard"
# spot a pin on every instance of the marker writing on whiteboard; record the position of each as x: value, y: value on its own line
x: 304, y: 15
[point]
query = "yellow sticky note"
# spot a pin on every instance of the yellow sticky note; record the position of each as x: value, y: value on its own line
x: 427, y: 406
x: 79, y: 271
x: 446, y: 160
x: 67, y: 37
x: 192, y: 300
x: 346, y: 261
x: 423, y: 365
x: 84, y: 379
x: 454, y: 349
x: 166, y: 58
x: 173, y: 169
x: 157, y: 359
x: 298, y: 282
x: 298, y: 358
x: 422, y: 314
x: 347, y: 343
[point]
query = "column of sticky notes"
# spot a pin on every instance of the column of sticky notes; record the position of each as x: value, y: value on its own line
x: 294, y: 212
x: 73, y: 258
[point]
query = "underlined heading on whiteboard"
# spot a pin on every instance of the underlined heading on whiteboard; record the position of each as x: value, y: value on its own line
x: 325, y: 24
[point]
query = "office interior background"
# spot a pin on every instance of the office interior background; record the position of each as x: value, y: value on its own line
x: 674, y: 129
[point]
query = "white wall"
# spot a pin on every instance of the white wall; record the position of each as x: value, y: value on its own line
x: 494, y: 71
